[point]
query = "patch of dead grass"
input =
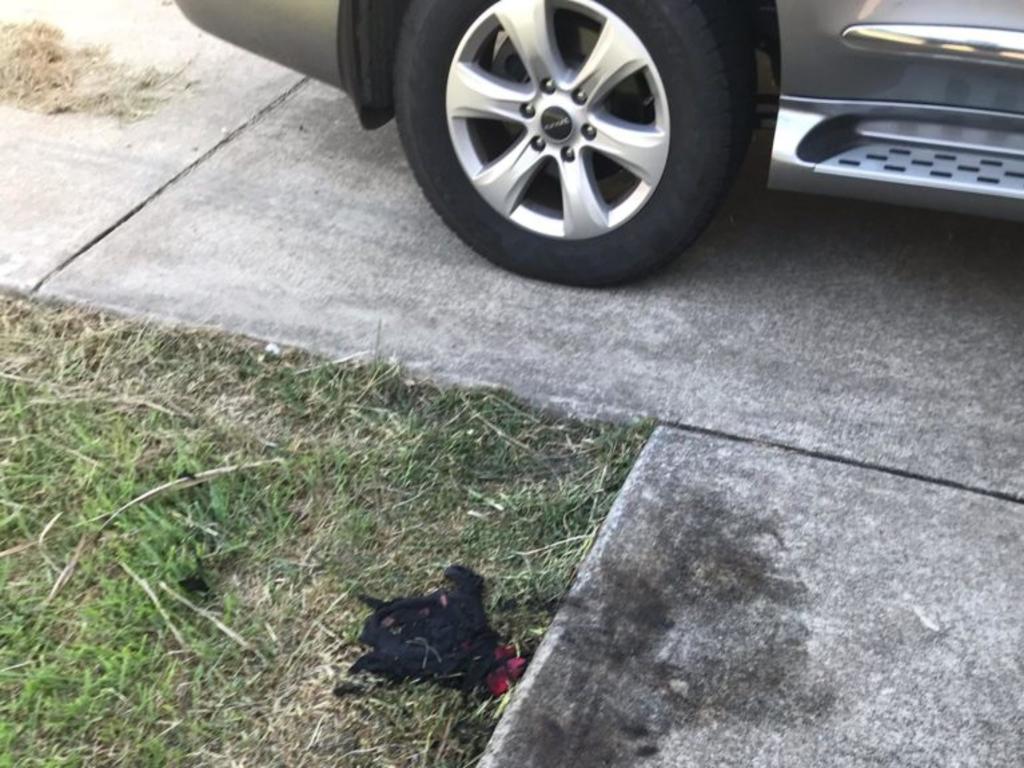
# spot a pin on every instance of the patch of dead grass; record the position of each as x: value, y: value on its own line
x: 39, y: 71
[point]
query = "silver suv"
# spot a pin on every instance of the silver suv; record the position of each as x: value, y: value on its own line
x: 590, y: 141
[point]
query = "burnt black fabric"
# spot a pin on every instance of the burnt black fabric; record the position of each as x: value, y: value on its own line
x: 443, y: 637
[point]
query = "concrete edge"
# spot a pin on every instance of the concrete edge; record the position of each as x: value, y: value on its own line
x: 558, y: 407
x: 610, y: 528
x: 553, y: 405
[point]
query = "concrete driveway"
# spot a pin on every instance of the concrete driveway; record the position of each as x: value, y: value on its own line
x: 864, y: 363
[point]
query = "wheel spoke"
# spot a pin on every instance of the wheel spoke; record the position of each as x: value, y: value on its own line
x: 617, y: 54
x: 584, y: 210
x: 640, y: 149
x: 504, y: 182
x: 476, y: 93
x: 530, y: 26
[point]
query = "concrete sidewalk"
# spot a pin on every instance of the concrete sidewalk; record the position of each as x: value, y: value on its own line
x: 747, y: 606
x: 66, y: 180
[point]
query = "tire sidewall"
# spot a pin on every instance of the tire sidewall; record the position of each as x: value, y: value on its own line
x: 688, y: 61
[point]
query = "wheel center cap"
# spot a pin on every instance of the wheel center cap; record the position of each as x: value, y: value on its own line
x: 557, y: 124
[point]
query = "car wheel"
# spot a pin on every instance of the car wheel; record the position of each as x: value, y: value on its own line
x: 585, y: 142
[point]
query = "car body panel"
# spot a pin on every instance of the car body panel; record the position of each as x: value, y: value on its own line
x: 817, y: 62
x: 301, y: 34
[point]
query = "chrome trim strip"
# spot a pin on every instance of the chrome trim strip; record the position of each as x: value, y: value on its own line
x: 986, y: 46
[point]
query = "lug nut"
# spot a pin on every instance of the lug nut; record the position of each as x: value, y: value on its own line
x: 580, y: 96
x: 538, y: 144
x: 568, y: 154
x: 528, y: 110
x: 548, y: 86
x: 589, y: 132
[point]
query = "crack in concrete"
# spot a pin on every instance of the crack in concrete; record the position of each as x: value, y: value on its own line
x: 603, y: 411
x: 227, y: 139
x: 836, y: 458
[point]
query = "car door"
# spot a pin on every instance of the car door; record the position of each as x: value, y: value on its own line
x: 876, y: 50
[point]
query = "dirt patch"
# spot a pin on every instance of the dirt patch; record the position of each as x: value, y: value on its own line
x: 41, y: 72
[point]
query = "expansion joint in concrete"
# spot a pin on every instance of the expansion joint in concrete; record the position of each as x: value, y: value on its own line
x: 227, y: 139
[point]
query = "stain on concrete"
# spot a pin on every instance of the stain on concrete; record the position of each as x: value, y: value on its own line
x: 713, y: 631
x: 746, y: 608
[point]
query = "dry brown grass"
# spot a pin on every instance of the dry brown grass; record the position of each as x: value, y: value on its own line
x: 41, y: 72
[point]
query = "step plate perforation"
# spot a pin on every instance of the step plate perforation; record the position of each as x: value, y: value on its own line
x: 931, y: 166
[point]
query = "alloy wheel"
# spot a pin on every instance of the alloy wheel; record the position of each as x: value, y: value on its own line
x: 558, y: 116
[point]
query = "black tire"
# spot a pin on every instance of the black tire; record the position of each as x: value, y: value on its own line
x: 704, y: 52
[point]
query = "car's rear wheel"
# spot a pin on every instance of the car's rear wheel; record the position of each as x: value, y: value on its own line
x: 580, y: 141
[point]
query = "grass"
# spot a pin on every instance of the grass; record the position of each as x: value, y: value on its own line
x: 41, y: 72
x: 336, y: 480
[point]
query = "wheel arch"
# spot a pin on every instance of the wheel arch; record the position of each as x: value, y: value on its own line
x: 368, y: 41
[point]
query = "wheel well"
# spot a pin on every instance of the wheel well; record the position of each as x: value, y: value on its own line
x: 377, y: 24
x: 768, y: 34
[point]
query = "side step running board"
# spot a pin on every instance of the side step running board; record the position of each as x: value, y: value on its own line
x: 962, y: 160
x: 930, y: 166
